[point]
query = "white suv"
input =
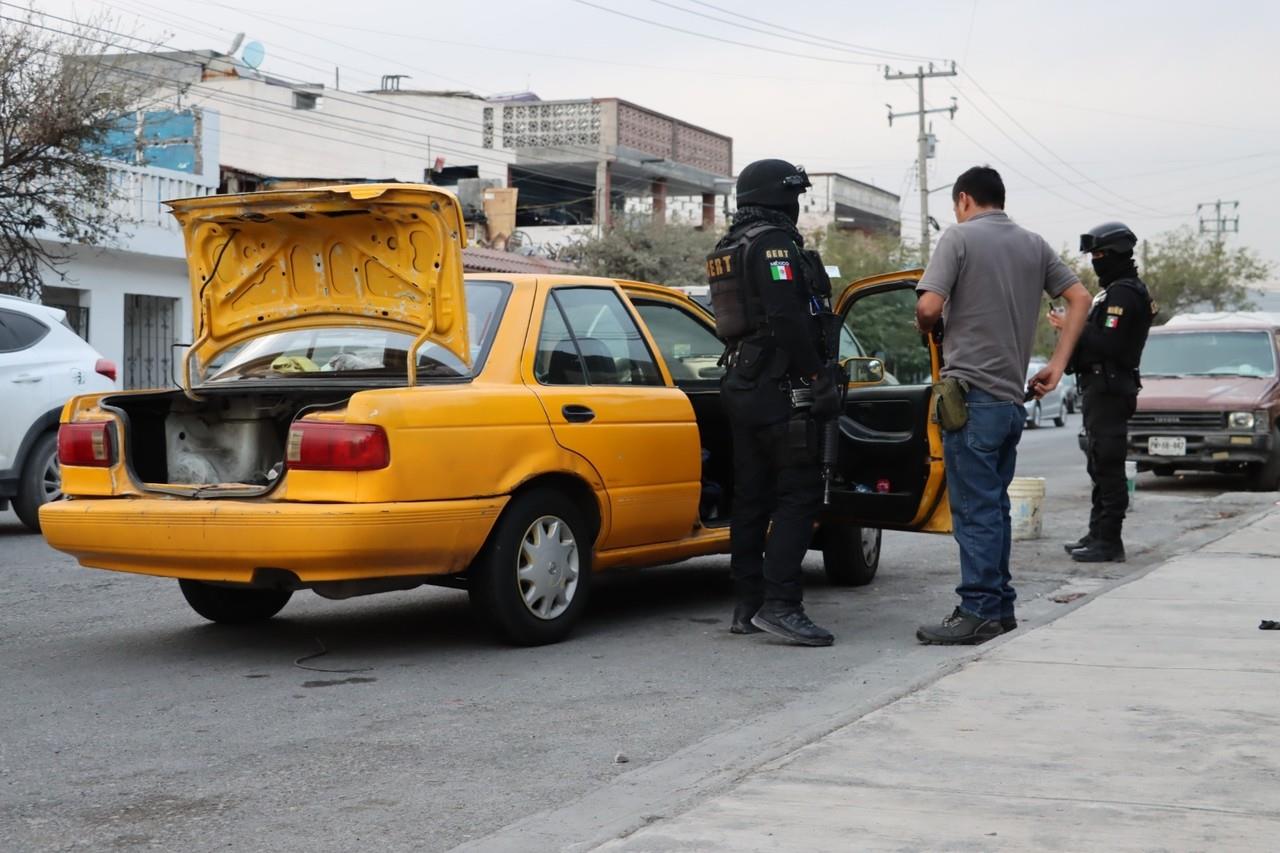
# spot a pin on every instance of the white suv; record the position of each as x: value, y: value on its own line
x: 43, y: 363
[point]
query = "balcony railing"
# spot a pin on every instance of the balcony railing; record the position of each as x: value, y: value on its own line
x: 142, y: 191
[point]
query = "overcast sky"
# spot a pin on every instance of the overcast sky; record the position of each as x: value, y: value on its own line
x: 1128, y: 109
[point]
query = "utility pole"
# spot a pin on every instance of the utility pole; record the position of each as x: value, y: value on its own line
x: 922, y: 140
x: 1219, y: 224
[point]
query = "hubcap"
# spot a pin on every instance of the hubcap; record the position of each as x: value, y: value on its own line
x: 547, y: 567
x: 870, y: 545
x: 51, y: 480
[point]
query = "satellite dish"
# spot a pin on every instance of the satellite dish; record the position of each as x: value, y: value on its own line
x: 253, y: 54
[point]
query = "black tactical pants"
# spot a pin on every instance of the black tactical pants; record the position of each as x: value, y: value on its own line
x: 1106, y: 420
x: 775, y: 483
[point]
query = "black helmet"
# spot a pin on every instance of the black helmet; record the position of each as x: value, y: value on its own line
x: 1112, y: 237
x: 771, y: 183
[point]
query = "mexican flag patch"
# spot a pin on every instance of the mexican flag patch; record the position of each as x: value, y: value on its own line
x: 781, y: 271
x: 1113, y: 321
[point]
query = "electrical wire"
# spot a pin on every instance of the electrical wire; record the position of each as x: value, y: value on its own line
x: 720, y: 39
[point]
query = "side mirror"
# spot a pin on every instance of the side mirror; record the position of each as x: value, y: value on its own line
x: 864, y: 371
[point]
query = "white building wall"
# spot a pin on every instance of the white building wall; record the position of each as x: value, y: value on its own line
x: 147, y: 257
x: 348, y: 134
x: 104, y: 277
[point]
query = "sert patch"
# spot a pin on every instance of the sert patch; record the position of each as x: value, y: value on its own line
x: 1113, y: 321
x: 781, y: 271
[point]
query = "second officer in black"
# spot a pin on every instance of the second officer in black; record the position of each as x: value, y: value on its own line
x: 770, y: 296
x: 1106, y: 367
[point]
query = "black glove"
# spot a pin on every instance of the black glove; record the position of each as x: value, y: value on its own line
x: 828, y: 392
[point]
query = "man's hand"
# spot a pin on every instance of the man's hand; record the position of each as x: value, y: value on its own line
x: 1058, y: 319
x: 1045, y: 381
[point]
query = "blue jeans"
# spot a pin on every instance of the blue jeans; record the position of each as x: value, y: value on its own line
x: 980, y: 459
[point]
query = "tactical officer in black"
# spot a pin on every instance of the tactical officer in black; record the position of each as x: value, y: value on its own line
x: 1106, y: 367
x: 770, y: 298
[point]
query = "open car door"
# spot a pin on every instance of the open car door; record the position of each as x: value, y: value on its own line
x: 890, y: 472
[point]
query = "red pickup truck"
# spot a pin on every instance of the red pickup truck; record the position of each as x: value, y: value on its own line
x: 1210, y: 399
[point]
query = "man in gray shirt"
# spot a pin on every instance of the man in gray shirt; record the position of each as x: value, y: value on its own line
x: 984, y: 282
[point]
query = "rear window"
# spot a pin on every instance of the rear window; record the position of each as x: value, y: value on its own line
x: 360, y: 352
x: 1210, y: 354
x: 18, y: 331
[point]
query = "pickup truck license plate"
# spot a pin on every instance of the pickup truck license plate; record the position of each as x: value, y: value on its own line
x: 1158, y: 445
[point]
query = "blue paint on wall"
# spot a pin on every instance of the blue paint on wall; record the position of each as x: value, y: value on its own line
x: 166, y: 139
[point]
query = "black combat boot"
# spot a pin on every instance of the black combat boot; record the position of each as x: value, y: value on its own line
x: 742, y: 613
x: 960, y: 629
x: 789, y: 622
x: 1100, y: 552
x: 1083, y: 542
x: 1008, y: 623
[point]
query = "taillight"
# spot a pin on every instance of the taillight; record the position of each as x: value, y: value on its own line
x: 87, y: 444
x: 320, y: 446
x: 106, y: 367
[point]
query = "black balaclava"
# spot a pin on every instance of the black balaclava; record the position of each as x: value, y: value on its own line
x: 1113, y: 266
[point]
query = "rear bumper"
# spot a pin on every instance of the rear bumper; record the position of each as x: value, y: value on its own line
x: 229, y: 540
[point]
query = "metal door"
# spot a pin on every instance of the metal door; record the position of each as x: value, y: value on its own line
x: 150, y: 331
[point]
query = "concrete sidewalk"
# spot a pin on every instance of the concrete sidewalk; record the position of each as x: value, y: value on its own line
x: 1146, y: 719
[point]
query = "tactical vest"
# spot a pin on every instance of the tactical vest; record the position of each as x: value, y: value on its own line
x: 1142, y: 325
x: 737, y: 307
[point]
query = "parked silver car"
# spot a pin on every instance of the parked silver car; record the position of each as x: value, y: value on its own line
x: 1052, y: 405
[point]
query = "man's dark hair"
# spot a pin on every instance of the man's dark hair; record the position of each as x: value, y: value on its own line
x: 983, y: 185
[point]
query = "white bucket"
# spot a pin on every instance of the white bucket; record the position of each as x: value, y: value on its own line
x: 1131, y: 482
x: 1026, y: 499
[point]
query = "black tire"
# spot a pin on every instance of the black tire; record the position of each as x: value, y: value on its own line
x: 1162, y: 470
x: 510, y: 603
x: 228, y: 605
x: 849, y: 558
x: 1061, y: 419
x: 1071, y: 405
x: 1265, y: 477
x: 41, y: 481
x: 1037, y: 417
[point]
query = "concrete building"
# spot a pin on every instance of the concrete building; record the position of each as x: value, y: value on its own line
x: 849, y: 204
x: 579, y: 164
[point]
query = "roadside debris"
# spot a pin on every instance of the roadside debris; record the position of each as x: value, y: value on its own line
x: 1269, y: 625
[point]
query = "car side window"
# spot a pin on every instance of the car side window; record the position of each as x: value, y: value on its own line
x: 882, y: 324
x: 691, y: 350
x: 589, y: 338
x: 18, y: 331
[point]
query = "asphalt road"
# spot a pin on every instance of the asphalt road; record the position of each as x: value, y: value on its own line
x: 130, y: 723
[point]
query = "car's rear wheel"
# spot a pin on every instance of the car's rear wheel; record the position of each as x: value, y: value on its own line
x: 229, y: 605
x: 1061, y: 419
x: 1037, y: 417
x: 1265, y: 477
x: 850, y: 554
x: 532, y: 579
x: 41, y: 481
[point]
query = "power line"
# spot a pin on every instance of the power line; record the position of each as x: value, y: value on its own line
x: 922, y: 141
x: 1052, y: 153
x: 853, y: 48
x: 720, y: 39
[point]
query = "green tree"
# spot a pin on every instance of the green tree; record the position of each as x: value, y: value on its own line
x: 674, y: 255
x: 58, y: 103
x: 859, y: 255
x: 1186, y: 270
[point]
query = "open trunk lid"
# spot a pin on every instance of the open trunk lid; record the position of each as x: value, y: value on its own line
x: 386, y: 255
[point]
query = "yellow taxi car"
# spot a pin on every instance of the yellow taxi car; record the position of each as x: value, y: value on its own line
x: 357, y: 416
